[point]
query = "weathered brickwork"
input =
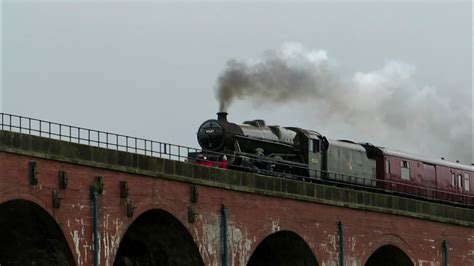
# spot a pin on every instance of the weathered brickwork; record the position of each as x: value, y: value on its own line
x: 257, y: 206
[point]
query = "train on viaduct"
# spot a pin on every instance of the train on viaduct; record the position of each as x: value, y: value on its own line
x: 74, y: 196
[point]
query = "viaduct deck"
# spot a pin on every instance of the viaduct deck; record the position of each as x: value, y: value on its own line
x: 154, y: 211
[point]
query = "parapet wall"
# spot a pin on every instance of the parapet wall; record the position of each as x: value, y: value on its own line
x: 226, y: 179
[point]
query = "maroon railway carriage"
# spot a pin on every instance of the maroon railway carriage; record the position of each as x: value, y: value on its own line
x: 423, y: 177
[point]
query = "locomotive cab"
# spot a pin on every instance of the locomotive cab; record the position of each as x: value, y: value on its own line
x: 312, y: 146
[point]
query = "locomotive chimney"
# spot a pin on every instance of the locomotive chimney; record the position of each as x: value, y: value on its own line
x: 222, y: 116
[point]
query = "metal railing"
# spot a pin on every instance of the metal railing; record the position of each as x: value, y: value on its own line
x: 91, y: 137
x: 97, y: 138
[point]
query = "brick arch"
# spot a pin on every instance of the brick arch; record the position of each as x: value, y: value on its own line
x: 140, y: 221
x: 269, y: 228
x: 389, y: 240
x: 146, y: 206
x: 279, y: 234
x: 66, y: 243
x: 28, y: 197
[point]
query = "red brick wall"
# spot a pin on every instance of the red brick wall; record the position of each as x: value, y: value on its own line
x: 251, y: 217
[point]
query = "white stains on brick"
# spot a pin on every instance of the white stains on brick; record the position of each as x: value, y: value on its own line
x: 209, y: 241
x: 86, y: 248
x: 275, y: 225
x: 427, y: 263
x: 329, y: 263
x: 329, y: 246
x: 111, y: 238
x: 239, y: 246
x: 78, y: 239
x: 106, y: 240
x: 352, y: 243
x: 332, y: 240
x: 350, y: 261
x: 471, y: 240
x: 79, y: 206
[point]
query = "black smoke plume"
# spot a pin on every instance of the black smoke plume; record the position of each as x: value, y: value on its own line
x: 386, y: 103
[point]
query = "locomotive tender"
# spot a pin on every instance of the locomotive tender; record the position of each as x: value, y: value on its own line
x: 306, y: 153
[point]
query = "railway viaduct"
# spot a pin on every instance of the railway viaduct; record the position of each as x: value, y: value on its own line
x: 65, y: 203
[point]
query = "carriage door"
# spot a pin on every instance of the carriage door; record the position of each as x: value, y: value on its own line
x: 314, y: 158
x: 459, y: 182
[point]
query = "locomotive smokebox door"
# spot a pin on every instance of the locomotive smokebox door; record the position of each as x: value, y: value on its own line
x: 211, y: 135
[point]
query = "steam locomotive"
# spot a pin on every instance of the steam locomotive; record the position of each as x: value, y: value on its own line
x: 297, y: 152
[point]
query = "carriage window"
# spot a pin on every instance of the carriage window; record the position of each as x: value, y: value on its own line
x: 466, y: 182
x: 387, y: 166
x: 405, y: 170
x: 453, y: 180
x: 405, y: 164
x: 460, y: 181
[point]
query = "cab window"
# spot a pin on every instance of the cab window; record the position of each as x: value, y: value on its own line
x: 314, y: 145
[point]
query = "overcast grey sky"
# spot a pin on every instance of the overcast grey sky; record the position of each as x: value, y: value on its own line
x: 149, y: 68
